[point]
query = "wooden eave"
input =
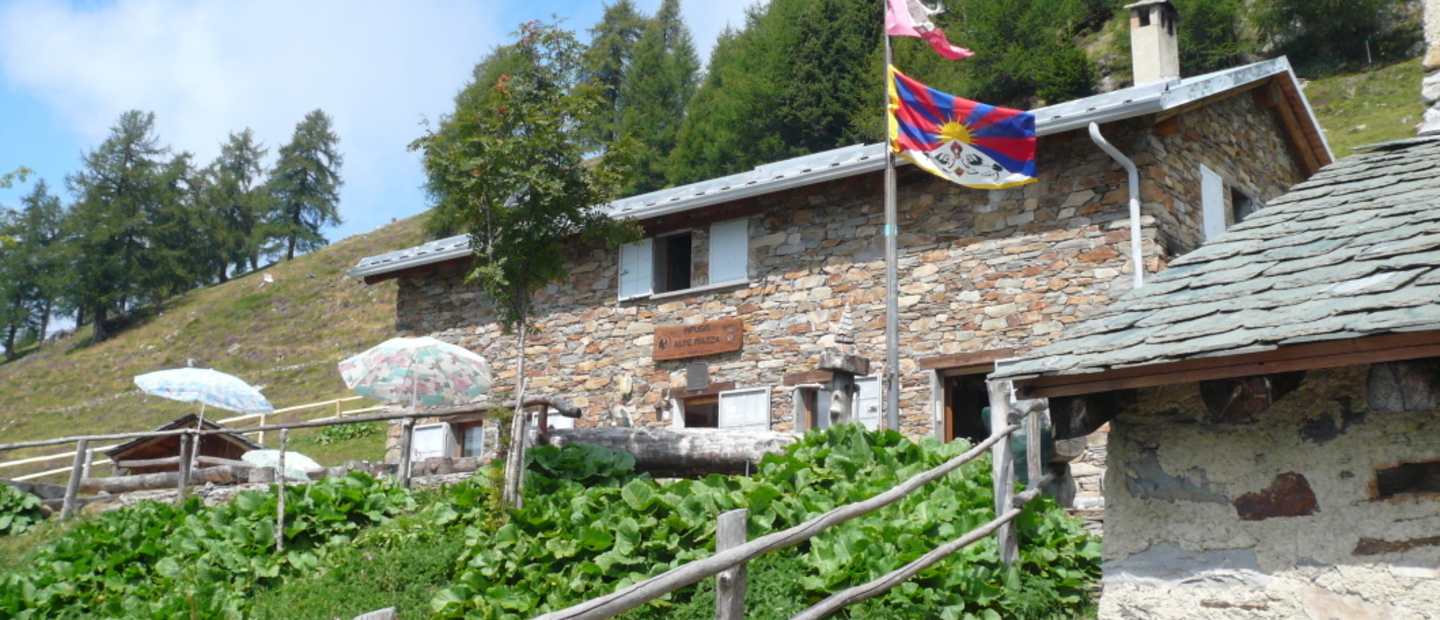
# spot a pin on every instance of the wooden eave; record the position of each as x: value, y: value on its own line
x: 1308, y: 356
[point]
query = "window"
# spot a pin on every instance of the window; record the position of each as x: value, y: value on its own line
x: 472, y: 440
x: 429, y: 440
x: 745, y: 410
x: 867, y: 403
x: 1222, y: 205
x: 666, y: 264
x: 814, y: 404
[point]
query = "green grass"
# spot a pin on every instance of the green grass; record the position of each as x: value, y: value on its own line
x: 1367, y: 107
x: 286, y: 336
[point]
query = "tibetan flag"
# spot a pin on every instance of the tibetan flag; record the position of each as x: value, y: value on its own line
x: 911, y: 18
x: 967, y: 142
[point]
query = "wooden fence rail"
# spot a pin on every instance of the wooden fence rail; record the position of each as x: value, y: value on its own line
x: 728, y: 558
x: 681, y: 576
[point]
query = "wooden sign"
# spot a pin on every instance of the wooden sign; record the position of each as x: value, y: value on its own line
x: 709, y: 338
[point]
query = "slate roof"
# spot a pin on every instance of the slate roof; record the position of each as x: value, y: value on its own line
x: 1354, y: 251
x: 849, y: 161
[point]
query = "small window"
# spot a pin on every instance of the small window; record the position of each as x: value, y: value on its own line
x: 1241, y: 206
x: 702, y: 412
x: 1408, y: 479
x: 673, y: 255
x: 431, y: 440
x: 472, y: 440
x: 1144, y: 16
x: 966, y: 398
x: 746, y: 410
x: 666, y: 264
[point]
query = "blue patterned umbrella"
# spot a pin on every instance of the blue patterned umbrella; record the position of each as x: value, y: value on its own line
x: 204, y: 386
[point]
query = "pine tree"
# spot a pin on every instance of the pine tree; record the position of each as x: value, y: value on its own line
x: 792, y: 83
x: 656, y: 94
x: 235, y: 194
x: 607, y: 64
x: 121, y: 186
x: 304, y: 187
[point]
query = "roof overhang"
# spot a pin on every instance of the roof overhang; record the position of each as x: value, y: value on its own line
x: 1291, y: 358
x: 1161, y: 99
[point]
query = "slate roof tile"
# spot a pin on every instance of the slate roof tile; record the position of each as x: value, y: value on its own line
x: 1350, y: 253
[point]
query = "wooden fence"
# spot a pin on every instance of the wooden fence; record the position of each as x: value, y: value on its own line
x: 263, y: 418
x: 729, y: 559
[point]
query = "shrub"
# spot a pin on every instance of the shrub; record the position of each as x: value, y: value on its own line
x: 20, y: 512
x: 573, y: 542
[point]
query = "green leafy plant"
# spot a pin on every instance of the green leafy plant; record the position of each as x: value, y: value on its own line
x: 344, y: 432
x: 20, y: 512
x: 589, y: 527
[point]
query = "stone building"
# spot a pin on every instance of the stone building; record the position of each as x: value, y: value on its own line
x: 718, y: 317
x: 1274, y: 441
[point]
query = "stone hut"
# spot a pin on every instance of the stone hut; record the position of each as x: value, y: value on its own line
x: 718, y: 317
x: 1272, y: 397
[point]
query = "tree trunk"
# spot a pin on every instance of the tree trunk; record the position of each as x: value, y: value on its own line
x: 98, y: 333
x: 682, y: 453
x: 166, y: 480
x: 515, y: 464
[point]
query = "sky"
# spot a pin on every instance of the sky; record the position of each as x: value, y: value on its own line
x: 210, y: 67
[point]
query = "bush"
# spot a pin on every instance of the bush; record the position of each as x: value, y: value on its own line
x: 20, y: 512
x: 573, y: 542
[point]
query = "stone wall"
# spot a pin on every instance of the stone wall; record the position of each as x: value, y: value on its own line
x: 979, y: 270
x: 1250, y: 155
x: 1275, y: 518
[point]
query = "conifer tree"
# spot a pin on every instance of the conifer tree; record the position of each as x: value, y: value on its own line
x: 31, y: 266
x: 234, y: 192
x: 656, y: 94
x: 120, y: 187
x: 607, y: 64
x: 304, y: 187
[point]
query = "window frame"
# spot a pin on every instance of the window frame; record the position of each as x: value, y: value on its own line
x: 645, y: 256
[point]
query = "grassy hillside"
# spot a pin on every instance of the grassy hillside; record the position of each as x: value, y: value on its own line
x: 1367, y: 107
x: 285, y: 336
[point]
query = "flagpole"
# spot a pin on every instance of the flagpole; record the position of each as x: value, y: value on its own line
x: 892, y: 284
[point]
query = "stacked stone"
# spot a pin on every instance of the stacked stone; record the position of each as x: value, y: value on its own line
x: 1430, y: 90
x: 979, y: 271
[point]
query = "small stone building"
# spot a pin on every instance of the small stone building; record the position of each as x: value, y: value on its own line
x: 717, y: 318
x: 1273, y: 401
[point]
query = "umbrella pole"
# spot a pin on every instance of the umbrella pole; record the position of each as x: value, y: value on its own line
x: 195, y: 447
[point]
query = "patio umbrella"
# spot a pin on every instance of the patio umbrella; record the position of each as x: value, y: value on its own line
x: 420, y: 371
x: 207, y: 387
x: 297, y: 466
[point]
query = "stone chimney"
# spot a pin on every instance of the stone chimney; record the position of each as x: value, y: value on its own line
x: 1430, y: 88
x: 1154, y: 41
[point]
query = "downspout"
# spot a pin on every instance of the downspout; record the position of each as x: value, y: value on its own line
x: 1135, y: 254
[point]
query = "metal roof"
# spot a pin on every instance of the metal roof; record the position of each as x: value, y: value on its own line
x: 861, y: 159
x: 1352, y: 252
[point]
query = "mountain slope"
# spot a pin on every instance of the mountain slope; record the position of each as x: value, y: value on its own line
x: 285, y: 336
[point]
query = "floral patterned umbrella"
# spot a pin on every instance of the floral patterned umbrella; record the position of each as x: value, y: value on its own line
x: 422, y: 371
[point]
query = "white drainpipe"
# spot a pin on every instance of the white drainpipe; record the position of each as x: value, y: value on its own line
x: 1135, y: 254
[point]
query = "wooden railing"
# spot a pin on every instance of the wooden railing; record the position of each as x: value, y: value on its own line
x: 730, y: 560
x: 262, y: 417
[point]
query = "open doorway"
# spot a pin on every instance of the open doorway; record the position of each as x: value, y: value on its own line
x: 966, y: 400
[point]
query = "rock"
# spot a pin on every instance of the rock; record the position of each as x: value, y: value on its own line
x: 1322, y: 604
x: 1289, y: 495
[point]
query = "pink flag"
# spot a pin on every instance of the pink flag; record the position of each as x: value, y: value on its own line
x: 911, y: 18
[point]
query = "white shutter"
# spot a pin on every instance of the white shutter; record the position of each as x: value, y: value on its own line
x: 867, y: 402
x: 730, y: 251
x: 636, y: 268
x: 1212, y: 202
x: 429, y: 440
x: 745, y: 410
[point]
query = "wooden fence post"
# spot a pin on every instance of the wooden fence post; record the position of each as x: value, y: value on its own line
x: 73, y: 488
x: 407, y: 435
x: 1002, y: 467
x: 730, y: 583
x: 1034, y: 460
x: 187, y: 458
x: 280, y: 506
x: 89, y: 460
x: 261, y: 440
